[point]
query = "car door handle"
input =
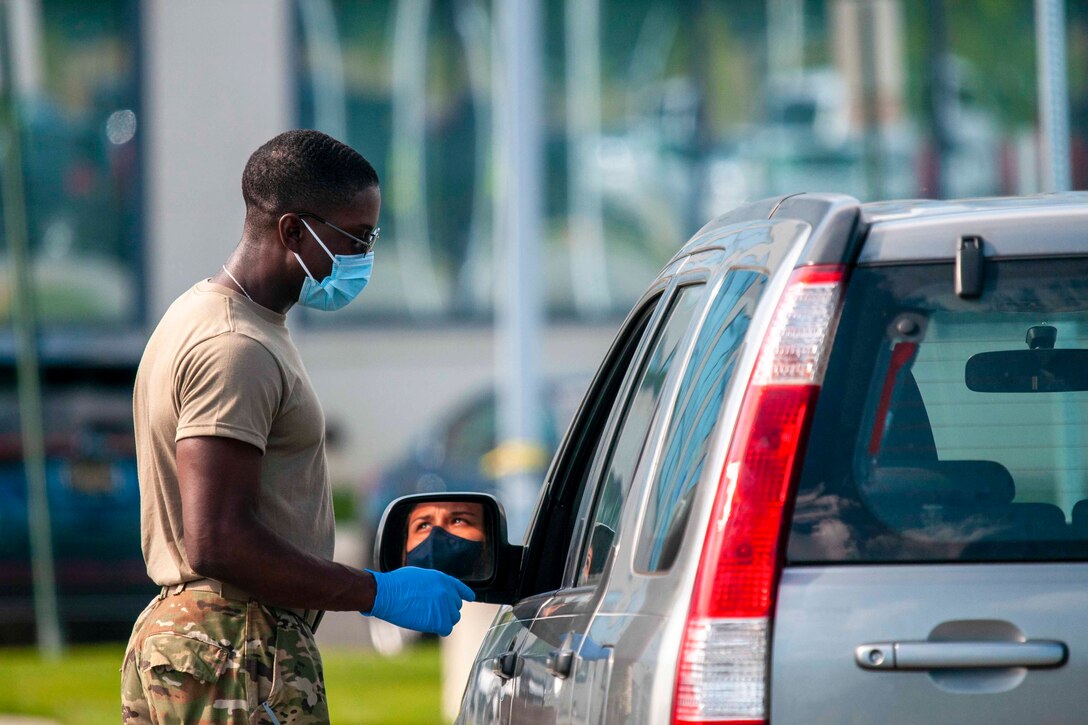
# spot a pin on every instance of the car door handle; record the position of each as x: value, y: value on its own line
x: 960, y: 655
x: 559, y: 663
x: 506, y: 665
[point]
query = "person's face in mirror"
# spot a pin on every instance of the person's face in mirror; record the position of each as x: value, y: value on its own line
x: 462, y: 519
x: 450, y: 536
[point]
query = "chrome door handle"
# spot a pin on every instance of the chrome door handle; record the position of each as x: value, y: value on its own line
x: 559, y: 663
x: 925, y: 655
x: 506, y: 665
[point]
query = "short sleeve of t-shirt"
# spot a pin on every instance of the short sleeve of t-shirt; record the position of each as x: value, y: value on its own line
x: 228, y: 386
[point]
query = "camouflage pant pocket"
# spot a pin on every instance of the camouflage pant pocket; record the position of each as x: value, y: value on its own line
x: 183, y: 679
x: 188, y: 655
x: 296, y: 693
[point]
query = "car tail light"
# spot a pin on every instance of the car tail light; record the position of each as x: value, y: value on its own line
x: 723, y: 670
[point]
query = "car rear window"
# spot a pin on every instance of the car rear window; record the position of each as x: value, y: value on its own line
x: 940, y: 434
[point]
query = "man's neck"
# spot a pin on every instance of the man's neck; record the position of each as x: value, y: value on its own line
x: 258, y: 277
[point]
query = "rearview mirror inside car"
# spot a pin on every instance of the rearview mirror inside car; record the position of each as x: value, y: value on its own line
x: 461, y: 534
x: 1028, y: 371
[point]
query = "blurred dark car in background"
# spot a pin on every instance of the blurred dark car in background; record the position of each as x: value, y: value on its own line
x: 94, y: 499
x: 460, y: 452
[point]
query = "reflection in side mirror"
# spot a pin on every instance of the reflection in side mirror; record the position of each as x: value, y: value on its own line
x: 460, y: 534
x: 450, y: 536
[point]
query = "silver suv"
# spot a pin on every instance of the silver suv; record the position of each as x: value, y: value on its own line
x: 834, y: 469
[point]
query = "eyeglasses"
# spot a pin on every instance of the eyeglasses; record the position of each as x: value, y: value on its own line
x: 366, y: 243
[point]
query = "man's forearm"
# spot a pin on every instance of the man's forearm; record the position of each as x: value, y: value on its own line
x: 248, y: 555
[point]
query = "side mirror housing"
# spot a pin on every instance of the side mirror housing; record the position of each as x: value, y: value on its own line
x: 462, y: 534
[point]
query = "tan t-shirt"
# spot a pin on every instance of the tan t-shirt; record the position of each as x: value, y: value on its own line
x: 219, y: 364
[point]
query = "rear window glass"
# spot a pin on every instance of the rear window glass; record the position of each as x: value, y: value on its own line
x: 951, y: 429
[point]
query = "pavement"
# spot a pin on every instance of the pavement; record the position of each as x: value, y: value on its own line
x: 344, y: 629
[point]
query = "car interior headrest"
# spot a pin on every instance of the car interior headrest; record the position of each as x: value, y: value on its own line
x: 1080, y: 514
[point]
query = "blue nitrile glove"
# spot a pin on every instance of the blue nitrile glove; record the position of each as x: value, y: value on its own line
x: 425, y: 600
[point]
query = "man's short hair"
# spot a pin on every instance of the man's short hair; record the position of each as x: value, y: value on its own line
x: 302, y: 171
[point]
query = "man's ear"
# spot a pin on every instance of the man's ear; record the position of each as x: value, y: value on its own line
x: 291, y: 231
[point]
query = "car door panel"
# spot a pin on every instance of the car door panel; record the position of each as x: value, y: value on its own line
x: 489, y: 693
x: 540, y: 687
x: 642, y: 612
x: 591, y: 674
x: 634, y: 644
x: 558, y: 633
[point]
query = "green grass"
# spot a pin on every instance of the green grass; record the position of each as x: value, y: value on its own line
x: 344, y: 505
x: 83, y: 688
x: 365, y: 688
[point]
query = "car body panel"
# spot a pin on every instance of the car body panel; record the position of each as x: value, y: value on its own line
x: 824, y: 613
x: 1051, y: 225
x: 544, y: 696
x: 642, y: 615
x: 616, y: 629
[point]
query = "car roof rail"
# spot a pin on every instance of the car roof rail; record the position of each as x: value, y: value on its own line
x: 748, y: 211
x: 837, y: 227
x: 836, y: 221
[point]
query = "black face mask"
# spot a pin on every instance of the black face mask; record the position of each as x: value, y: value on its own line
x: 447, y: 553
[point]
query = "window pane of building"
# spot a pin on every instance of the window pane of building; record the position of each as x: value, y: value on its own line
x: 74, y: 67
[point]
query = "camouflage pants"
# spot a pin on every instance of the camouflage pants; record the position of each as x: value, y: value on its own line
x: 198, y: 658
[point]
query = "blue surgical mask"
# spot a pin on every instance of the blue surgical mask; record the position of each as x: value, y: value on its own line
x: 447, y: 553
x: 349, y: 275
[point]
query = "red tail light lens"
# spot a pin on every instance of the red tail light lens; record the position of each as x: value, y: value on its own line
x: 741, y: 549
x: 722, y: 675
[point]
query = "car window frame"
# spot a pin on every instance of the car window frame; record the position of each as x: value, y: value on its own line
x: 561, y: 489
x: 614, y: 426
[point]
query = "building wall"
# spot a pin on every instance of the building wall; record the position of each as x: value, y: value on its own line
x: 216, y: 86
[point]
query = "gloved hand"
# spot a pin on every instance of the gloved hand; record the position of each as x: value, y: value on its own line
x: 425, y: 600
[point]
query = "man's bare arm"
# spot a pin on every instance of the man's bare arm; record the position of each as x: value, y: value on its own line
x: 224, y: 540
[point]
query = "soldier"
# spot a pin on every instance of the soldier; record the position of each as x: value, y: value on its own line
x: 236, y: 510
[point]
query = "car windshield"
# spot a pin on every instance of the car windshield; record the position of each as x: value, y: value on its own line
x: 908, y: 462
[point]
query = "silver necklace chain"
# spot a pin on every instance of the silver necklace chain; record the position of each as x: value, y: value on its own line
x: 232, y: 279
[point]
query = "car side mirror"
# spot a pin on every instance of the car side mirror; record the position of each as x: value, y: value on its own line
x: 461, y: 534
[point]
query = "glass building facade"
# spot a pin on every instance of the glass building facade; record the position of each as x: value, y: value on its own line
x: 658, y: 115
